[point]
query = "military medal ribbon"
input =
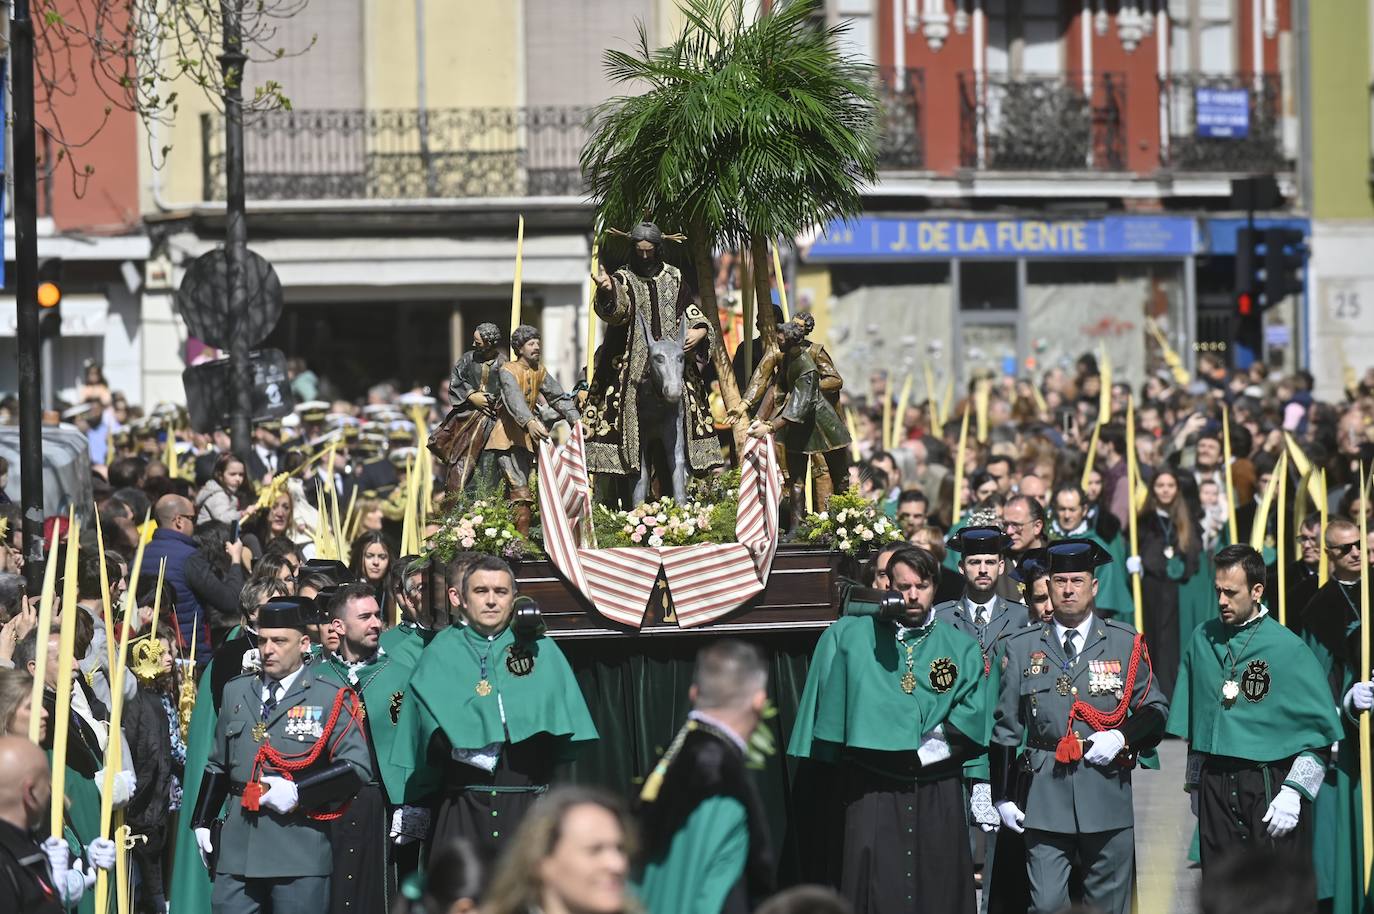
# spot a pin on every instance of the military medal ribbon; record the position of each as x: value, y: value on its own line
x: 1069, y: 748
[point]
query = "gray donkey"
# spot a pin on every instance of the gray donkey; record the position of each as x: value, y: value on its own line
x: 661, y: 410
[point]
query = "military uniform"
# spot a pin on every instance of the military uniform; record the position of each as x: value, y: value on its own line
x: 364, y: 878
x: 266, y: 860
x: 1253, y: 704
x: 1074, y: 810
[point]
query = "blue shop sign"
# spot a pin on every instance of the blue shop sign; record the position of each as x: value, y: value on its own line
x: 1222, y: 113
x: 882, y: 238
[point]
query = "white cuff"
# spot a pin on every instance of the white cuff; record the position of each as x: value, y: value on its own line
x: 1306, y: 775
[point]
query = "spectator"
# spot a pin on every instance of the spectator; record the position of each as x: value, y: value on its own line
x: 571, y: 853
x: 912, y: 507
x: 127, y: 473
x: 172, y: 542
x: 222, y: 497
x: 93, y: 385
x: 215, y: 573
x: 451, y: 885
x: 1170, y: 557
x: 370, y: 558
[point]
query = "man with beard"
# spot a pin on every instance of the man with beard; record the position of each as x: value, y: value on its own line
x: 1080, y: 696
x: 364, y: 864
x: 655, y: 291
x: 895, y: 707
x: 473, y: 395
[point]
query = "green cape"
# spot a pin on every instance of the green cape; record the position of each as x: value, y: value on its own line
x: 442, y: 696
x: 382, y: 685
x: 853, y: 695
x: 189, y: 892
x: 1292, y: 714
x: 706, y: 858
x: 406, y: 641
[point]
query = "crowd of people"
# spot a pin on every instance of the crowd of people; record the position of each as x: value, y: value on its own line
x: 435, y: 711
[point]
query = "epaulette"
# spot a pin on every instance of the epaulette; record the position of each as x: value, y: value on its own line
x: 1116, y: 623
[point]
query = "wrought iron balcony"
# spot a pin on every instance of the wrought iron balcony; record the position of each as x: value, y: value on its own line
x: 1042, y: 123
x: 342, y: 154
x: 901, y: 136
x: 1224, y: 123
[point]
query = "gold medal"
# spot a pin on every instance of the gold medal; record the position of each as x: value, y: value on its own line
x: 483, y: 688
x: 1063, y: 685
x: 908, y: 682
x: 259, y: 731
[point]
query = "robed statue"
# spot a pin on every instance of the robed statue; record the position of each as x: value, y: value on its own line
x: 648, y: 398
x: 474, y: 395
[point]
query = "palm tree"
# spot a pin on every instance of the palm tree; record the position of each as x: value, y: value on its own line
x: 746, y: 131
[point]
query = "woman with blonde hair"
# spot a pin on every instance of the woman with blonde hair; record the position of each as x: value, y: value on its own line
x: 16, y: 695
x: 571, y: 855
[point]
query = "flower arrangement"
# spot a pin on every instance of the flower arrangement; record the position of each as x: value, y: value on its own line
x: 482, y: 525
x: 850, y: 524
x: 665, y: 523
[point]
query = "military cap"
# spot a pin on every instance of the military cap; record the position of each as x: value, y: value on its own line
x: 336, y: 570
x: 1076, y: 555
x: 399, y: 456
x: 979, y: 541
x: 269, y: 425
x: 286, y: 612
x: 411, y: 401
x: 313, y: 410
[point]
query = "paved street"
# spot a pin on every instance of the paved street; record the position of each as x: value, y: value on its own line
x: 1164, y: 829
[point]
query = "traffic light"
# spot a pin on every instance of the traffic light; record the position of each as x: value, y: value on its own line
x: 1284, y: 256
x: 50, y: 297
x: 1249, y: 264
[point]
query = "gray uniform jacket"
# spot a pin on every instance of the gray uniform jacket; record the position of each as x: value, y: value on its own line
x: 1007, y: 617
x: 265, y: 844
x: 1076, y: 797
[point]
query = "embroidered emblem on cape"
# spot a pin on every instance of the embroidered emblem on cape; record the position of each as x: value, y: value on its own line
x: 1255, y: 682
x: 396, y: 699
x: 519, y: 660
x: 943, y: 672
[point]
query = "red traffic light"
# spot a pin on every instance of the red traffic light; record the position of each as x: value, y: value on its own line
x: 1245, y: 304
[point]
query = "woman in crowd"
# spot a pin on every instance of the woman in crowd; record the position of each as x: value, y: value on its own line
x: 451, y: 883
x: 16, y: 697
x: 571, y: 855
x: 224, y: 496
x: 1170, y: 560
x: 370, y: 559
x: 216, y: 573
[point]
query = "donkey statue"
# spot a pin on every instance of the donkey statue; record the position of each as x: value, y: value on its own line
x: 661, y: 411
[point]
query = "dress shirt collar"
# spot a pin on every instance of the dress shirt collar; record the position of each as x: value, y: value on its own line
x: 287, y: 682
x: 1083, y: 628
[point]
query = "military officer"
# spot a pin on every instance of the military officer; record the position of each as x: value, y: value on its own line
x: 1081, y: 692
x: 363, y: 877
x: 272, y: 853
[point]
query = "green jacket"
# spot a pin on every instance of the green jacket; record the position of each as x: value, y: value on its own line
x: 266, y: 844
x: 1074, y: 797
x: 381, y: 687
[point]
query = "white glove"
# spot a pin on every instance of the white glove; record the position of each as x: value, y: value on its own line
x: 207, y: 847
x: 933, y: 748
x: 1011, y: 816
x: 1360, y: 697
x: 87, y: 877
x: 1133, y: 564
x: 980, y: 806
x: 125, y: 782
x: 101, y: 853
x: 1283, y: 812
x: 1103, y: 747
x: 252, y: 660
x: 408, y: 824
x: 59, y: 856
x: 281, y: 794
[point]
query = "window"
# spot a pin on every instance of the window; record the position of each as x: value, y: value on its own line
x: 1202, y: 37
x: 1024, y: 37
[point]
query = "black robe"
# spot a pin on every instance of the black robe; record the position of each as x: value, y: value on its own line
x: 1160, y: 594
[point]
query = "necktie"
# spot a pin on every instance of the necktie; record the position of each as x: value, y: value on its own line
x: 980, y: 618
x: 1069, y: 651
x: 273, y: 694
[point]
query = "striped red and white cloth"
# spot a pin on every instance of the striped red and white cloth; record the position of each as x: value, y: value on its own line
x: 706, y: 581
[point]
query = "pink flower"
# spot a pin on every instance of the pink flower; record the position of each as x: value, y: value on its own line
x: 637, y: 536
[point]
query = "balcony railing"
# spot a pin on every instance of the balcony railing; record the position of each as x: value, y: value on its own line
x: 1042, y: 123
x: 901, y: 137
x: 1224, y: 123
x: 402, y: 153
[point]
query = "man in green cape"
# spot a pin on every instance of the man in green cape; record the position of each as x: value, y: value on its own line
x: 702, y: 827
x: 1078, y: 702
x: 487, y: 715
x: 1259, y: 721
x: 895, y: 707
x: 365, y: 878
x: 407, y: 638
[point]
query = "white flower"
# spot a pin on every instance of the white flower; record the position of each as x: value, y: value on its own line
x: 841, y: 532
x: 867, y: 535
x: 655, y: 540
x: 490, y: 531
x: 505, y: 534
x: 660, y: 517
x: 477, y: 520
x: 844, y: 545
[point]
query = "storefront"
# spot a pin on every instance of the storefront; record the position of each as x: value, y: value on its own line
x: 1011, y: 295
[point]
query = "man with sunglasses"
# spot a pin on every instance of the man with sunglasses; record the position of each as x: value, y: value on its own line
x: 176, y: 521
x: 1334, y: 610
x: 1302, y: 580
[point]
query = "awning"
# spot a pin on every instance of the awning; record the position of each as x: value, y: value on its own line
x: 82, y: 315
